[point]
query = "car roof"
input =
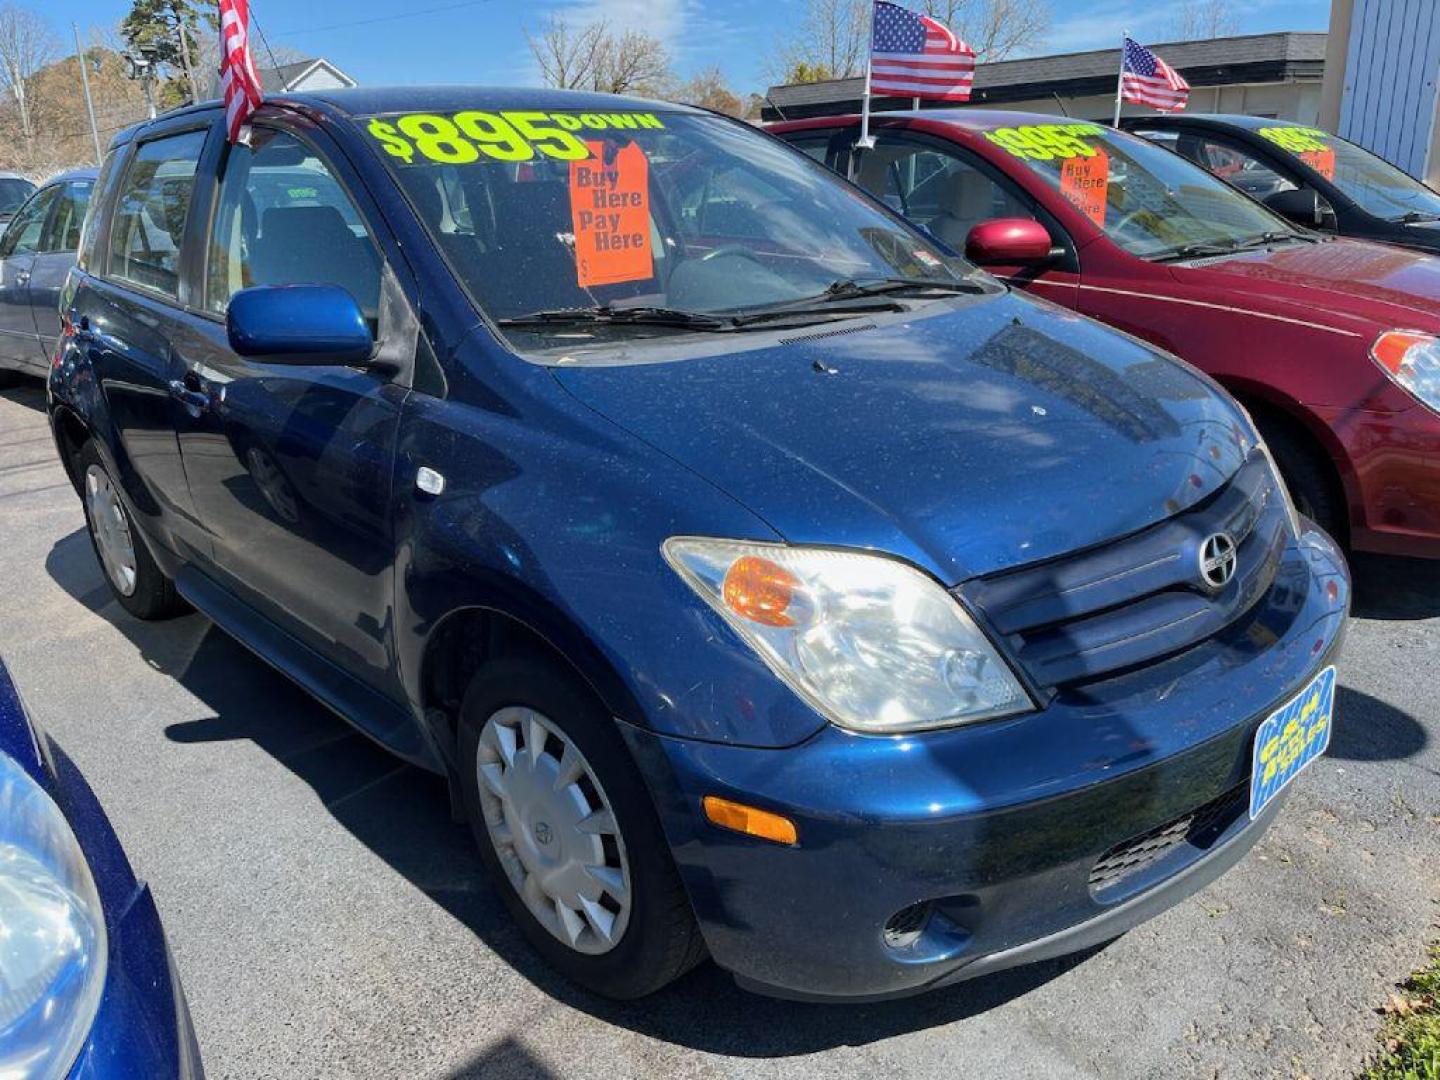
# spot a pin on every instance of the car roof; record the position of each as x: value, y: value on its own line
x: 369, y: 100
x: 12, y: 176
x: 971, y: 119
x: 87, y: 173
x: 1249, y: 123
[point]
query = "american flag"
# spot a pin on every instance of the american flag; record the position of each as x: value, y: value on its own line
x: 237, y: 71
x: 914, y: 56
x: 1147, y: 80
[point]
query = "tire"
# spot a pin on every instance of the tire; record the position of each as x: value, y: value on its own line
x: 142, y: 589
x: 655, y: 938
x: 1307, y: 476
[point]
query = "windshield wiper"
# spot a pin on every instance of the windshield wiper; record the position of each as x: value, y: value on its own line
x: 606, y: 315
x: 1265, y: 239
x: 1410, y: 217
x: 854, y: 288
x: 1196, y: 250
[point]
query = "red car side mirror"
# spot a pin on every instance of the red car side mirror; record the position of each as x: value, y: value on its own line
x: 1008, y: 241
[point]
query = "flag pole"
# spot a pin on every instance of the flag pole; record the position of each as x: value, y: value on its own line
x: 866, y: 140
x: 1120, y: 78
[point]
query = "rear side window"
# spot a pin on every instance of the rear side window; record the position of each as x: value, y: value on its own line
x: 284, y: 219
x: 150, y: 211
x: 63, y: 232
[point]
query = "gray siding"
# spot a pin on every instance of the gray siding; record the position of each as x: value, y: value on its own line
x: 1391, y: 68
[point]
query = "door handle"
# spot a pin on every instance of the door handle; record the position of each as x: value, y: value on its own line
x: 22, y: 277
x: 194, y: 400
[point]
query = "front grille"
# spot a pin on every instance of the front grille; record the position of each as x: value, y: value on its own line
x: 1136, y: 600
x: 1200, y: 828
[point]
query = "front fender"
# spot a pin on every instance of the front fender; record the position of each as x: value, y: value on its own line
x: 554, y: 517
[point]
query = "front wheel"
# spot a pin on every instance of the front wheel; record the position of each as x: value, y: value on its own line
x: 567, y: 831
x: 1312, y: 490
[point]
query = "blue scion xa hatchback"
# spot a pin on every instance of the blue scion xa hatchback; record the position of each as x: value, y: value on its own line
x: 767, y: 581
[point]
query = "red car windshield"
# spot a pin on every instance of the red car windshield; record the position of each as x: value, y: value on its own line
x: 1149, y: 201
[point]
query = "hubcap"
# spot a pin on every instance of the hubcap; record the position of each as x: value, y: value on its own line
x: 554, y: 830
x: 111, y: 529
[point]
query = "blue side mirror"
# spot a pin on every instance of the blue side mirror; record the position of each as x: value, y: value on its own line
x: 298, y: 324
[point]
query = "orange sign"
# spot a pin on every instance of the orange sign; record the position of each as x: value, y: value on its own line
x: 1322, y: 161
x: 610, y: 211
x: 1085, y: 181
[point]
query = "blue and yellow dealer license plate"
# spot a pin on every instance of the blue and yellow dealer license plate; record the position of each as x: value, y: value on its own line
x: 1290, y: 738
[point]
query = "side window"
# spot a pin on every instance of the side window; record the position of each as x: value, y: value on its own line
x: 90, y: 230
x: 1236, y: 165
x: 22, y: 237
x: 150, y: 213
x: 284, y: 219
x: 813, y: 144
x: 940, y: 190
x: 63, y: 231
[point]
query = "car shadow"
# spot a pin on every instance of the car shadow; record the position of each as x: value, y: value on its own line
x: 1394, y: 587
x: 402, y: 814
x: 28, y: 391
x: 1368, y: 729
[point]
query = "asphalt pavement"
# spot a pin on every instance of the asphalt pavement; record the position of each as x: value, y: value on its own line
x: 329, y: 919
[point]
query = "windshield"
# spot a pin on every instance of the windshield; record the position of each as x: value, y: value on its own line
x: 667, y: 213
x: 1375, y: 185
x: 13, y: 192
x: 1149, y: 201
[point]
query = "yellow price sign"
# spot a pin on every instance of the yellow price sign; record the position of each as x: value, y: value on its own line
x: 473, y: 135
x: 1047, y: 142
x: 1298, y: 140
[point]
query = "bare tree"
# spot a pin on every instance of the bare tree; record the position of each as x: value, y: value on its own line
x: 708, y: 90
x: 26, y: 45
x: 995, y: 29
x: 835, y: 34
x: 595, y: 57
x: 631, y: 62
x: 831, y: 41
x: 1196, y: 19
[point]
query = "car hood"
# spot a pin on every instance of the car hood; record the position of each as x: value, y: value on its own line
x: 970, y: 436
x: 1351, y: 284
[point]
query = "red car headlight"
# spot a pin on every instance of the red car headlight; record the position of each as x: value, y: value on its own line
x: 1412, y: 360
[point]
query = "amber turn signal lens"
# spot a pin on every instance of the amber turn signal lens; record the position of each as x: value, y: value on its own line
x: 760, y: 590
x: 749, y: 820
x: 1389, y: 349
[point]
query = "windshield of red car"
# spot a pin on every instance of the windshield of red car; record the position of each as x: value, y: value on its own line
x: 1147, y: 200
x: 558, y: 211
x: 1374, y: 184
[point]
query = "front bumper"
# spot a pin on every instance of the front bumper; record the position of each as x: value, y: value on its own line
x: 993, y: 832
x: 1393, y: 480
x: 143, y: 1028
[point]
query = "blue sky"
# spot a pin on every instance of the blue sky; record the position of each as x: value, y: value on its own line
x: 483, y: 41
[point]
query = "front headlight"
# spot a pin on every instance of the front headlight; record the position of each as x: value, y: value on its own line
x: 872, y: 643
x: 1412, y: 360
x: 52, y: 934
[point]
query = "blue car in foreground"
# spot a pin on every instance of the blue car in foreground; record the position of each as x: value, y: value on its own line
x: 767, y: 581
x: 87, y: 986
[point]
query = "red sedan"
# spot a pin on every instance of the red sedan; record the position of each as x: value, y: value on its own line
x: 1333, y: 345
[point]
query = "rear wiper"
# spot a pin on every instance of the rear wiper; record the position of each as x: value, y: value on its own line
x: 605, y: 314
x: 853, y: 288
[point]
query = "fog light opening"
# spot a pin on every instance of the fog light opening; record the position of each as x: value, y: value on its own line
x: 907, y: 925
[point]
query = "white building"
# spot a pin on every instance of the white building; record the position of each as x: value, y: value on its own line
x: 1380, y: 80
